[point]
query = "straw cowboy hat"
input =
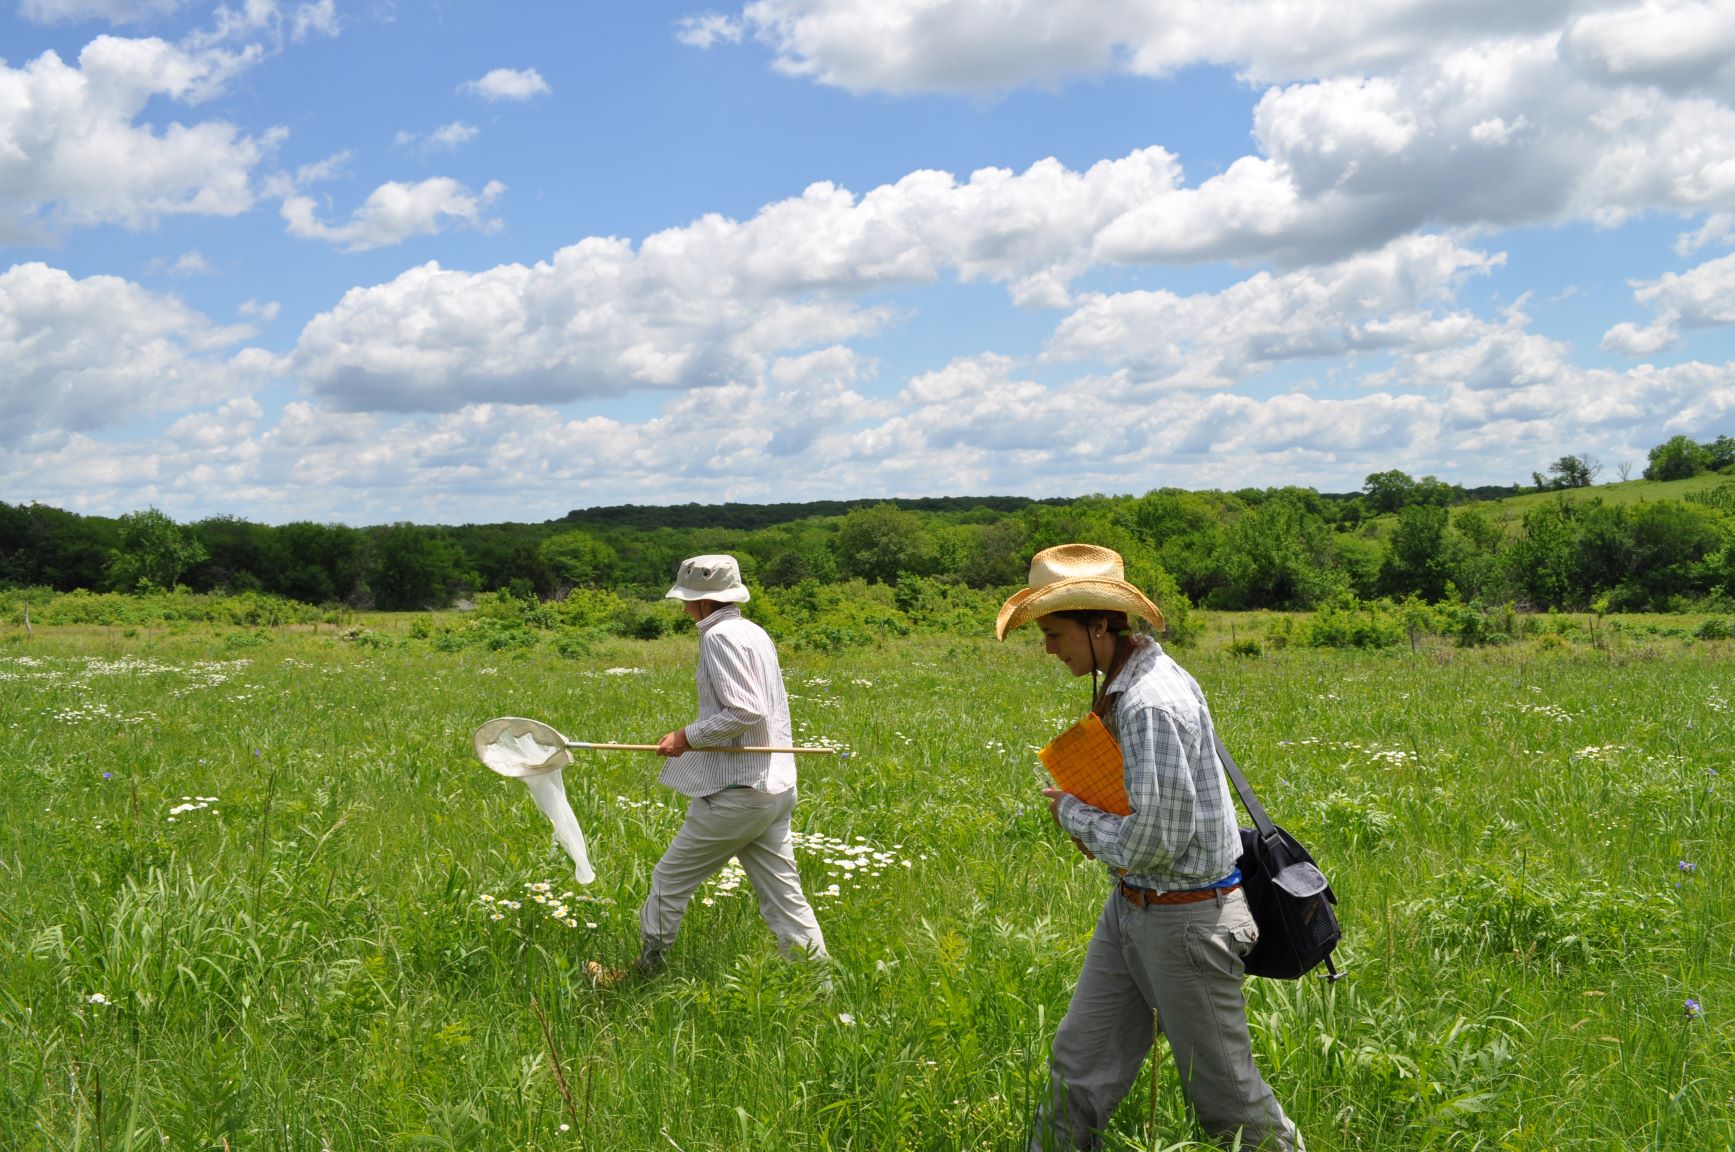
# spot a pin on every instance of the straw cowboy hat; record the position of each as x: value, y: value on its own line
x: 709, y: 578
x: 1073, y: 576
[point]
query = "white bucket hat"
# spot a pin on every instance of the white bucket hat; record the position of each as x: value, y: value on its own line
x: 709, y: 578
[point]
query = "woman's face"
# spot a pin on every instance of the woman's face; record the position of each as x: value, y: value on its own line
x: 1070, y: 643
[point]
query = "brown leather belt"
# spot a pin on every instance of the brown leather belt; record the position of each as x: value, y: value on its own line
x: 1145, y: 897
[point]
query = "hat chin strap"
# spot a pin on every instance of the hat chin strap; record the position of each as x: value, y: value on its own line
x: 1091, y: 640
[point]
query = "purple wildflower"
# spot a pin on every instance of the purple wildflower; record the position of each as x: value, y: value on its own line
x: 1687, y: 866
x: 108, y: 775
x: 1693, y: 1009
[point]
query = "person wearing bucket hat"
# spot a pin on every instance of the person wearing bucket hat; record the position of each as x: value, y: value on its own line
x: 738, y: 804
x: 1168, y: 947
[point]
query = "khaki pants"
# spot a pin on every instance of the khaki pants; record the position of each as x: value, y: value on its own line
x: 1182, y: 962
x: 753, y: 827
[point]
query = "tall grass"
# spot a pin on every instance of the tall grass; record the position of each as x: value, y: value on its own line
x: 337, y: 941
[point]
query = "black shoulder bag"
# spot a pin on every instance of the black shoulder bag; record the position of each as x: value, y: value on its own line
x: 1289, y: 896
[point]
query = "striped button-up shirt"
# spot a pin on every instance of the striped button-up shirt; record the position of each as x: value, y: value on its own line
x: 741, y: 702
x: 1182, y: 831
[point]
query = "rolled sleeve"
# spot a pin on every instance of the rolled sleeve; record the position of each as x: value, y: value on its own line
x: 735, y: 682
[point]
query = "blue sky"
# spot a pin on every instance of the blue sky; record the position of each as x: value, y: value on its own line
x: 456, y: 261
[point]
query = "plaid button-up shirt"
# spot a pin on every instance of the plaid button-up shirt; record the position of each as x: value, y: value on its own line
x: 1182, y: 832
x: 741, y: 702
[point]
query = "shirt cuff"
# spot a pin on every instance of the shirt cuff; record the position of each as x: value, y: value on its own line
x: 1074, y: 815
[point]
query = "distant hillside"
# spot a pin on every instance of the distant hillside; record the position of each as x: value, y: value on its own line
x: 752, y: 516
x: 1621, y: 492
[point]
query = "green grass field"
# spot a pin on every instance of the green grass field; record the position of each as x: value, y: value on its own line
x: 258, y: 895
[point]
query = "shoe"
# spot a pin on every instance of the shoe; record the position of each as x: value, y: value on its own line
x: 650, y: 961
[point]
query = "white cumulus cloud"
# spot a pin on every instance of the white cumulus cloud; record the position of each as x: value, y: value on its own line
x: 1701, y: 297
x: 508, y: 84
x: 707, y: 30
x: 1376, y: 119
x: 1376, y: 302
x: 395, y: 212
x: 113, y: 11
x: 80, y: 355
x: 445, y: 138
x: 73, y: 149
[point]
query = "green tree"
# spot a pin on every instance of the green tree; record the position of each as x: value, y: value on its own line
x: 1573, y: 472
x: 579, y: 560
x: 1001, y: 555
x: 1430, y: 490
x: 1280, y: 555
x: 153, y: 552
x: 416, y: 567
x: 1389, y: 491
x: 1677, y: 458
x: 1420, y: 558
x: 40, y: 544
x: 880, y: 542
x: 1605, y: 548
x: 1186, y: 530
x: 1543, y: 561
x: 1476, y: 561
x: 314, y: 563
x: 1671, y: 542
x: 234, y: 554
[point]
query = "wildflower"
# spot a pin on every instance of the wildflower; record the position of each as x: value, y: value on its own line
x: 1687, y: 866
x: 1693, y: 1009
x: 566, y: 1127
x: 99, y: 998
x: 847, y: 1020
x: 590, y: 923
x: 498, y: 916
x: 108, y: 775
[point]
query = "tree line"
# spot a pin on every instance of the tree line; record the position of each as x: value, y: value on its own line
x: 1272, y: 548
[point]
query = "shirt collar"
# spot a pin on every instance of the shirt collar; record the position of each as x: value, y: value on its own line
x: 1144, y: 654
x: 718, y: 615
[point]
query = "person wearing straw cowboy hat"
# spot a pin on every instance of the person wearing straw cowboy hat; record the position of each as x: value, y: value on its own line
x: 1167, y: 951
x: 738, y: 804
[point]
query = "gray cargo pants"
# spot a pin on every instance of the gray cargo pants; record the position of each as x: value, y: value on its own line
x: 753, y: 827
x: 1183, y: 962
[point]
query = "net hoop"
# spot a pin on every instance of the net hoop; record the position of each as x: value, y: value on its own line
x: 516, y: 747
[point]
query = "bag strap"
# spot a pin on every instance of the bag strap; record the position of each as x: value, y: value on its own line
x: 1243, y: 789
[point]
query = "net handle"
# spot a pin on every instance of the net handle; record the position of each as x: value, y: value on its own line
x: 591, y: 747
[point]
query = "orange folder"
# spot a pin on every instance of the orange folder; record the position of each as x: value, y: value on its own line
x: 1085, y: 761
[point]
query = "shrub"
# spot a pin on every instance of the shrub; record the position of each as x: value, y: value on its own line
x: 1356, y: 820
x: 247, y: 609
x: 587, y: 608
x: 573, y: 643
x: 1473, y: 625
x: 1560, y: 921
x: 642, y: 625
x: 1347, y: 622
x: 1714, y: 628
x: 831, y: 638
x: 239, y: 641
